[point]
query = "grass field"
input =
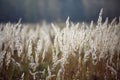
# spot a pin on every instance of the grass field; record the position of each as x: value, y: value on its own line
x: 60, y: 52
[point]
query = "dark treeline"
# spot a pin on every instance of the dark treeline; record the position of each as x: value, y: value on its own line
x: 56, y: 10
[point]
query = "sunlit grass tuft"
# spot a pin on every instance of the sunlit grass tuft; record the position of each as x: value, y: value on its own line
x: 50, y: 52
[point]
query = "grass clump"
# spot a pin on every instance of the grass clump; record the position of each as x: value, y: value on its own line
x: 47, y: 52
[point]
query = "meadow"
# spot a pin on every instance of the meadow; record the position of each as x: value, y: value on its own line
x: 73, y: 51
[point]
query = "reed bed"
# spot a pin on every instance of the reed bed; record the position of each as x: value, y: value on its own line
x: 48, y: 52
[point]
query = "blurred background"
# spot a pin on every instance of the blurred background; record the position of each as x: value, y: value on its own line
x: 33, y: 11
